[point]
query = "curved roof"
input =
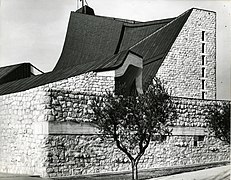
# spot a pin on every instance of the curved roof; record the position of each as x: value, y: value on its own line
x: 94, y: 38
x: 96, y: 43
x: 89, y: 38
x: 39, y: 80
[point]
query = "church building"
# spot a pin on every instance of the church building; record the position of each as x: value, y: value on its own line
x: 45, y: 126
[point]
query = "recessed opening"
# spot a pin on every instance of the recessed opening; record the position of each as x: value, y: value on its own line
x: 203, y: 47
x: 195, y: 143
x: 203, y: 95
x: 198, y: 139
x: 128, y: 77
x: 203, y: 60
x: 203, y: 36
x: 201, y: 138
x: 195, y: 140
x: 203, y: 71
x: 126, y: 84
x: 158, y: 137
x: 203, y: 84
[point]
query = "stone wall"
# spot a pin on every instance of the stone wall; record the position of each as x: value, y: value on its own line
x: 192, y: 112
x: 75, y: 106
x: 69, y: 106
x: 86, y: 83
x: 84, y: 154
x: 22, y: 143
x: 46, y: 131
x: 25, y: 115
x: 182, y: 68
x: 78, y: 153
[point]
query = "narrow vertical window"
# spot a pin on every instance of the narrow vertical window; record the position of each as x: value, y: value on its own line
x: 203, y: 95
x: 203, y: 60
x: 203, y: 84
x: 203, y: 47
x: 203, y: 71
x: 203, y: 36
x: 203, y: 63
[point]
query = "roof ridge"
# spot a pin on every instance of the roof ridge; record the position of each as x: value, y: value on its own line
x: 128, y: 22
x: 119, y: 20
x: 148, y: 23
x: 160, y: 29
x: 120, y: 39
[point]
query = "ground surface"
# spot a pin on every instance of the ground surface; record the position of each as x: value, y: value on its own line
x: 147, y: 174
x: 186, y: 173
x: 218, y: 173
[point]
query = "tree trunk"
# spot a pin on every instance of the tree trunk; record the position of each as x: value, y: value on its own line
x: 136, y: 171
x: 133, y: 170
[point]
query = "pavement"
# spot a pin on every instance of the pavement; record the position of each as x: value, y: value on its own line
x: 6, y: 176
x: 217, y: 173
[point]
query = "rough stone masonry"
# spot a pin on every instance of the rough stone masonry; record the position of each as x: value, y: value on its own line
x: 182, y: 68
x: 30, y: 144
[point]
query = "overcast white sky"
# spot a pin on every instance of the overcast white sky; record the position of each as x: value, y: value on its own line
x: 34, y: 30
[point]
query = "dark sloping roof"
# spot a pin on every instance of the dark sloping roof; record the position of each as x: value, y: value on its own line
x: 94, y: 38
x: 113, y: 62
x: 14, y: 72
x: 159, y: 42
x: 133, y: 33
x: 95, y: 43
x: 35, y: 81
x: 7, y: 69
x: 156, y: 46
x: 89, y: 38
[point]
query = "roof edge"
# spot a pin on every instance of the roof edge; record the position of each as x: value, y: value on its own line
x: 188, y: 11
x: 130, y: 22
x: 16, y: 64
x: 203, y: 10
x: 148, y: 23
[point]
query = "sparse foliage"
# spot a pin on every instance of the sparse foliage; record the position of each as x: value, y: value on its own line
x: 219, y: 121
x: 131, y: 121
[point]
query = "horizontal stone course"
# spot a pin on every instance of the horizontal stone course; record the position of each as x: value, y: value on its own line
x: 25, y: 115
x: 84, y: 154
x: 192, y: 112
x: 85, y: 83
x: 71, y: 106
x: 64, y: 155
x: 81, y: 154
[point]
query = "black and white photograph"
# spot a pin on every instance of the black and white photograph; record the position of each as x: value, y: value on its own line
x: 115, y: 90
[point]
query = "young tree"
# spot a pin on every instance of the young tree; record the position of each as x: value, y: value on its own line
x: 219, y: 121
x: 132, y: 121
